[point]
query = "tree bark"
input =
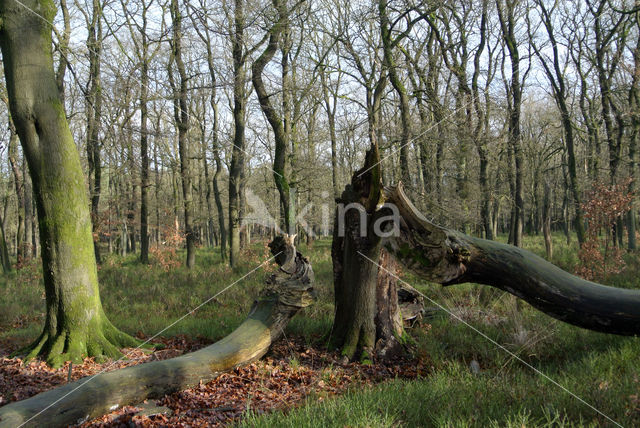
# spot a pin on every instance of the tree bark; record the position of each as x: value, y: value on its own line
x: 19, y: 186
x: 213, y: 101
x: 144, y: 145
x: 286, y: 292
x: 388, y: 43
x: 546, y: 220
x: 236, y: 169
x: 94, y: 113
x: 365, y: 323
x: 506, y: 14
x: 634, y: 104
x: 28, y: 213
x: 75, y: 323
x: 181, y: 114
x: 448, y: 257
x: 4, y: 250
x: 282, y: 138
x: 481, y: 130
x: 330, y: 105
x: 556, y: 77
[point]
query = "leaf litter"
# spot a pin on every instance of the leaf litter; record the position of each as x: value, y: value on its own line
x: 291, y: 373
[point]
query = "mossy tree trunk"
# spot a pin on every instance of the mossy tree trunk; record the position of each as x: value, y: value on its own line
x: 365, y: 323
x: 75, y: 324
x: 448, y: 257
x: 279, y: 121
x: 287, y: 291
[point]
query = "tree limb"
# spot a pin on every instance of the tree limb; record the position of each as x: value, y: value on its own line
x: 448, y: 257
x: 286, y: 292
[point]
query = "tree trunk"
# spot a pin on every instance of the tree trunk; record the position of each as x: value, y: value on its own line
x: 216, y: 153
x: 558, y: 86
x: 144, y: 198
x: 144, y: 154
x: 448, y: 257
x: 19, y: 185
x: 75, y: 324
x: 4, y: 250
x: 330, y: 105
x: 281, y: 128
x: 634, y: 104
x: 181, y: 114
x: 546, y: 220
x: 131, y: 198
x: 366, y: 298
x: 94, y: 113
x: 506, y: 14
x: 236, y: 169
x: 388, y: 43
x: 28, y: 217
x: 286, y: 292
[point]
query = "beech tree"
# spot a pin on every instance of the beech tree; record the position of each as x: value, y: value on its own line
x: 181, y: 116
x: 238, y: 158
x: 75, y: 323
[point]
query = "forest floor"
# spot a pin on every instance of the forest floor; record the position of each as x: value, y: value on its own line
x: 452, y: 376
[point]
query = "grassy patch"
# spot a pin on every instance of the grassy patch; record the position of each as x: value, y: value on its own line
x: 601, y: 369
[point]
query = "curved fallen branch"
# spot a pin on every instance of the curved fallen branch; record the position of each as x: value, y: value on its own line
x: 448, y: 257
x: 285, y: 293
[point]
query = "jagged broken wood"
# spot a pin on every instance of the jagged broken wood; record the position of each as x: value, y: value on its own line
x: 286, y: 292
x: 448, y: 257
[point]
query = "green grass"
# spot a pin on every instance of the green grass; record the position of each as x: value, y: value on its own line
x: 139, y: 298
x: 601, y: 369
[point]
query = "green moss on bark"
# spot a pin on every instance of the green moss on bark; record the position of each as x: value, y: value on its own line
x: 76, y: 325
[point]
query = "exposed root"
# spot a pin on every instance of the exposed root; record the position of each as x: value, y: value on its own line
x: 74, y: 345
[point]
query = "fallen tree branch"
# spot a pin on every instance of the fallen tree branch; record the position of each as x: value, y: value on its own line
x: 286, y: 292
x: 448, y: 257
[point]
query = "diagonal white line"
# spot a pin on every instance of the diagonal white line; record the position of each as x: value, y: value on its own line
x: 152, y: 91
x: 150, y: 339
x: 465, y: 105
x: 537, y: 371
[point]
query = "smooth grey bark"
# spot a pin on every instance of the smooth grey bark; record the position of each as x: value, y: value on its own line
x: 288, y: 290
x: 75, y: 323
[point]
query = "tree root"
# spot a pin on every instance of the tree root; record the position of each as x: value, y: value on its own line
x: 286, y: 292
x: 74, y: 345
